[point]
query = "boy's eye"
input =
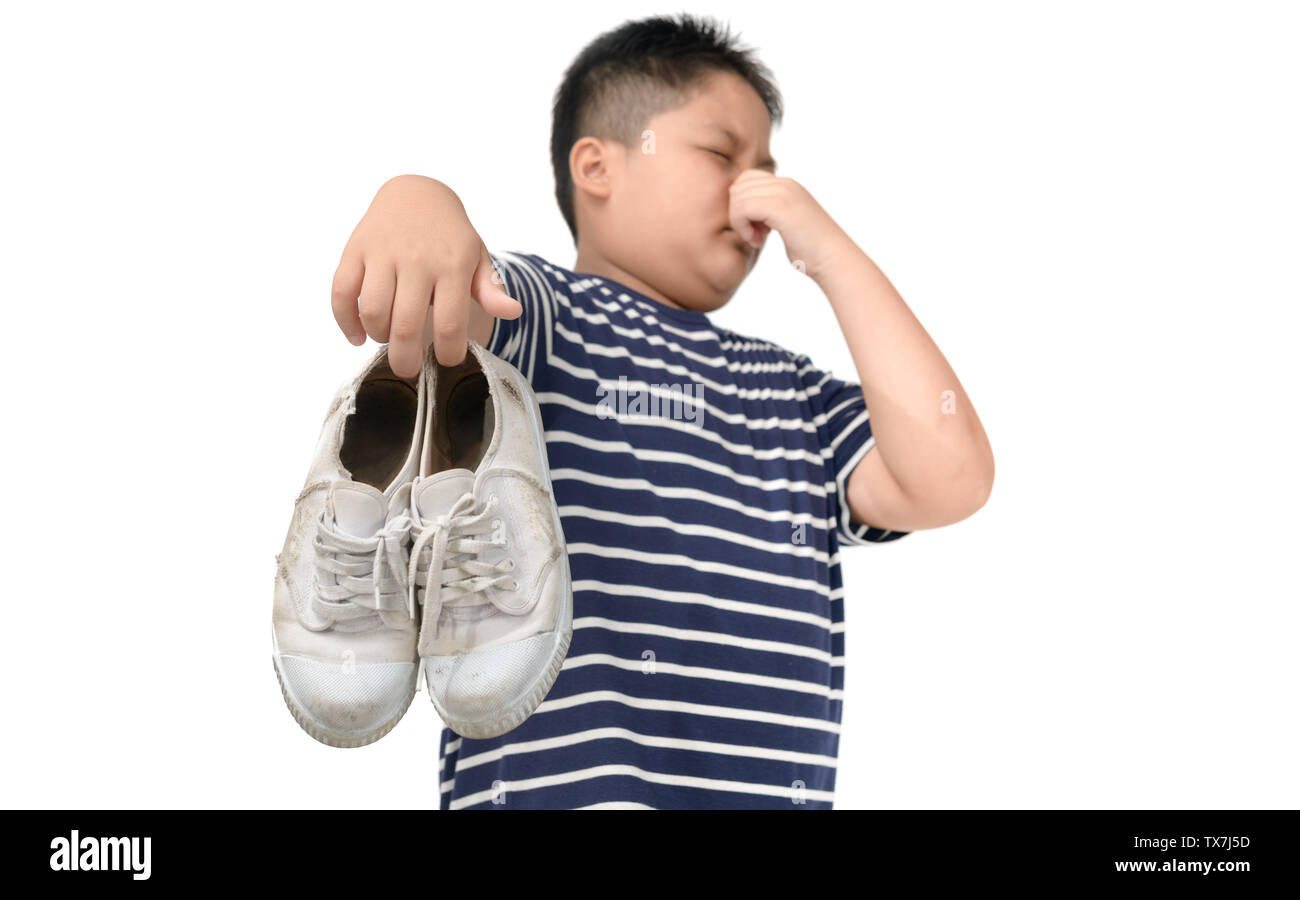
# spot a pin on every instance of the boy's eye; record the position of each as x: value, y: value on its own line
x: 720, y: 153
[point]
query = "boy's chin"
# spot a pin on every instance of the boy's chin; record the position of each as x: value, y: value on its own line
x: 736, y: 264
x: 723, y: 280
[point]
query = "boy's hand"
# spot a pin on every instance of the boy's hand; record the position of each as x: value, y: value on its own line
x: 409, y: 273
x: 762, y: 202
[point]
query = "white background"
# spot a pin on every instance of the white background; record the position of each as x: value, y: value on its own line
x: 1091, y: 207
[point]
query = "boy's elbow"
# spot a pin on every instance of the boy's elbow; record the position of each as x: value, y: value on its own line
x: 972, y: 497
x: 951, y: 501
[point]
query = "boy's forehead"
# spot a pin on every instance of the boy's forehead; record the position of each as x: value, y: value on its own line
x: 724, y: 121
x: 724, y: 101
x: 725, y: 108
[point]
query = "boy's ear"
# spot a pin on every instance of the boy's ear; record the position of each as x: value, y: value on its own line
x: 589, y: 167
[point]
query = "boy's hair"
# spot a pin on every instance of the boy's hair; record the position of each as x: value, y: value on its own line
x: 625, y: 77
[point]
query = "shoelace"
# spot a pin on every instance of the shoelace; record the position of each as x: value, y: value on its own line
x: 372, y: 570
x: 445, y: 546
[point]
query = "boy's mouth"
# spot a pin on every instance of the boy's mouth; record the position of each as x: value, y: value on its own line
x: 739, y: 242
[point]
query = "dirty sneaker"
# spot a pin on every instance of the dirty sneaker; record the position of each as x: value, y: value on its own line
x: 342, y: 636
x: 488, y: 566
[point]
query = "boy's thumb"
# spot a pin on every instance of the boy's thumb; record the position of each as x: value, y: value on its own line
x: 489, y: 290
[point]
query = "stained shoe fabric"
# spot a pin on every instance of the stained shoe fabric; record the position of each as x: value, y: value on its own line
x: 343, y: 637
x: 488, y: 572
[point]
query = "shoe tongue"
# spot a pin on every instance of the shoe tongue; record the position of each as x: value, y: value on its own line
x: 435, y: 494
x: 359, y: 509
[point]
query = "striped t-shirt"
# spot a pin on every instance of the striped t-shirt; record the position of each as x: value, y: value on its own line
x: 700, y: 478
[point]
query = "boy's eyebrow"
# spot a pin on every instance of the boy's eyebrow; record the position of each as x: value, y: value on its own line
x: 735, y: 141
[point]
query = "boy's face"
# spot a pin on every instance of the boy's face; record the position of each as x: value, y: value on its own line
x: 658, y: 219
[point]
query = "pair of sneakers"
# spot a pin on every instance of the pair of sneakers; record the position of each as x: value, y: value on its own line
x: 426, y: 536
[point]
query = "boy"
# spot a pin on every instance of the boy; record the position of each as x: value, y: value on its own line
x: 703, y: 499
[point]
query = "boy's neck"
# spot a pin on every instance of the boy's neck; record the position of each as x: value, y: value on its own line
x: 589, y: 263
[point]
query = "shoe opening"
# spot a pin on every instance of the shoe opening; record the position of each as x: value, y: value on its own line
x: 464, y: 419
x: 377, y: 435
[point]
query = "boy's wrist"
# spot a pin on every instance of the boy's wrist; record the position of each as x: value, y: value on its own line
x: 837, y: 252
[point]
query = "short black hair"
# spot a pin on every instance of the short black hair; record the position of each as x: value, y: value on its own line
x: 625, y: 77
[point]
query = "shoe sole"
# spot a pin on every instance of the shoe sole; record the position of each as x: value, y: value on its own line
x: 518, y: 710
x: 326, y: 735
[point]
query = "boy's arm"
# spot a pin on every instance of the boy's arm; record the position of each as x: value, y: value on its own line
x: 416, y: 272
x: 932, y: 464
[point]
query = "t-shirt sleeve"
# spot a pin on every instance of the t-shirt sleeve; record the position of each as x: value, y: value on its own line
x: 524, y: 342
x: 840, y: 412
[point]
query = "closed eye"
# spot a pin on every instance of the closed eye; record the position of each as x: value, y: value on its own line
x: 720, y: 153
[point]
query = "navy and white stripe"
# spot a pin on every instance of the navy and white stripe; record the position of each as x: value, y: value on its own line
x: 707, y: 662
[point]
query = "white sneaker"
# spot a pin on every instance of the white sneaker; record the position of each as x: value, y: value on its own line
x: 488, y: 560
x: 342, y: 635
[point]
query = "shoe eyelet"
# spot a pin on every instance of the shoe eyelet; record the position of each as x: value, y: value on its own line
x: 509, y: 565
x: 514, y: 585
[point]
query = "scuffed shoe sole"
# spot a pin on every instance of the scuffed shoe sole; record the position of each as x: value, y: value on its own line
x: 517, y: 711
x: 334, y: 738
